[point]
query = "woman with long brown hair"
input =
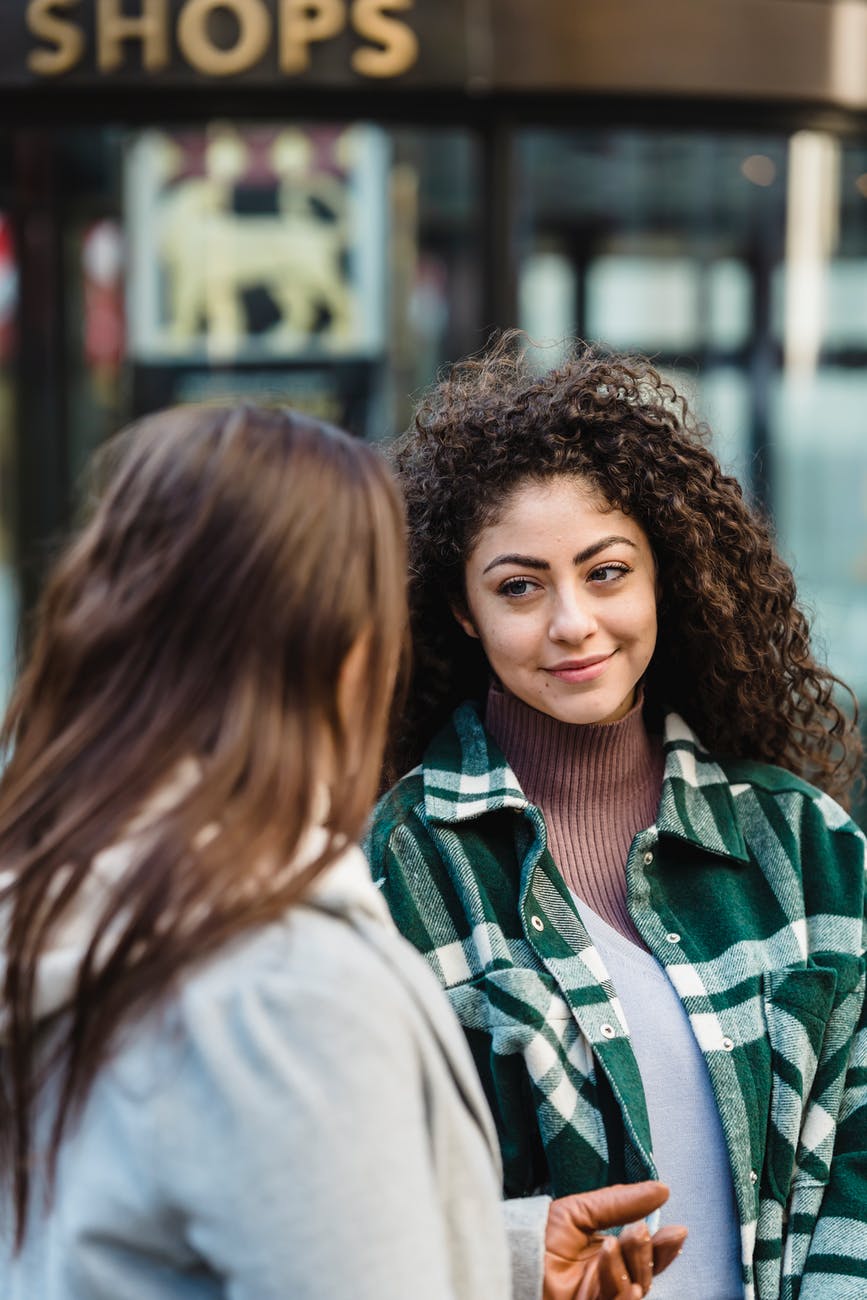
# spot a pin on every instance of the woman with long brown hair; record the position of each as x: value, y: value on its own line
x: 222, y: 1072
x: 618, y: 845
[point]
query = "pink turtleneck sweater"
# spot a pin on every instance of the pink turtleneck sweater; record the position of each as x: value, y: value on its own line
x: 597, y: 786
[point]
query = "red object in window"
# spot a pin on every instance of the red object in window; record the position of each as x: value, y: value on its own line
x: 8, y: 291
x: 104, y: 324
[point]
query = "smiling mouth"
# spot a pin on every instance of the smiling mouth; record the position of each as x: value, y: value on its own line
x: 580, y: 670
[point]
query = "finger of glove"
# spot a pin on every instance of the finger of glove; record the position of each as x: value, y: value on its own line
x: 637, y: 1251
x: 610, y: 1207
x: 614, y: 1280
x: 667, y: 1245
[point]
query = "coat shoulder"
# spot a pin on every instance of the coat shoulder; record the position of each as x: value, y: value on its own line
x: 400, y: 809
x: 788, y: 790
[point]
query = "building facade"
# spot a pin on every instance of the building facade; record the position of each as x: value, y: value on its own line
x: 320, y: 203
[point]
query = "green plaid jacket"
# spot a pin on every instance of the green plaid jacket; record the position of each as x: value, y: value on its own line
x: 750, y: 891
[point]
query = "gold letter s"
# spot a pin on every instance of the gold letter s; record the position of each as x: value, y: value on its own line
x: 65, y: 36
x: 399, y: 42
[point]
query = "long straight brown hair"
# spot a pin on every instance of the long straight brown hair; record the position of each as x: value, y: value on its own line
x: 204, y: 612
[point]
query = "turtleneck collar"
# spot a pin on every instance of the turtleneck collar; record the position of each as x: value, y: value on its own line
x: 597, y: 786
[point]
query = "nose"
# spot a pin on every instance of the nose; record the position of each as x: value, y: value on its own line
x: 572, y: 620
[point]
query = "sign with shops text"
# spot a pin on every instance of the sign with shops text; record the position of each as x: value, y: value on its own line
x: 217, y: 38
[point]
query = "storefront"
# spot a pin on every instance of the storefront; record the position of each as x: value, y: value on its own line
x: 320, y: 203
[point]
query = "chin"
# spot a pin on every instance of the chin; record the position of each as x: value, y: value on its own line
x: 589, y: 713
x: 595, y: 718
x: 576, y: 717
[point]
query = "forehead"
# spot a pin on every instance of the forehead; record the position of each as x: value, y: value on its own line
x: 542, y: 512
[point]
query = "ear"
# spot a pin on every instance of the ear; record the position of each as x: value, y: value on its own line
x: 351, y: 674
x: 462, y: 617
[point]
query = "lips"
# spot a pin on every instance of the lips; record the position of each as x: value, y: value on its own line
x: 580, y: 670
x: 571, y: 665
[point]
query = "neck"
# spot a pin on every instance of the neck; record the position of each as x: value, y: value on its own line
x: 597, y: 786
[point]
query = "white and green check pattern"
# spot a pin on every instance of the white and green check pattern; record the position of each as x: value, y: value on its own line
x: 750, y: 891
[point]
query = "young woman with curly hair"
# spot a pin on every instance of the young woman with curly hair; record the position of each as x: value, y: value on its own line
x: 649, y: 921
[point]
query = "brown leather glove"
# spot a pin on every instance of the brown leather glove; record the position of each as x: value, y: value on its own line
x: 583, y: 1264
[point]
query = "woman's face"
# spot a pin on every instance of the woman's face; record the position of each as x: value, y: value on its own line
x: 561, y: 591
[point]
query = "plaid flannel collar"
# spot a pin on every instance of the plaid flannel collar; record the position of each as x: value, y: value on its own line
x: 466, y: 775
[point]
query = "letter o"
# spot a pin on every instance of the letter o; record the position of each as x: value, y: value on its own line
x: 254, y: 34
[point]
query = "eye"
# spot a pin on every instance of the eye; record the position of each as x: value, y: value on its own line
x: 604, y: 574
x: 517, y: 587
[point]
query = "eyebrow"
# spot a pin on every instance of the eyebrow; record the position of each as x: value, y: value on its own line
x: 531, y: 562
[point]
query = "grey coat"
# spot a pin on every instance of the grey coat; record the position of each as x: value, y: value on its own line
x: 302, y: 1121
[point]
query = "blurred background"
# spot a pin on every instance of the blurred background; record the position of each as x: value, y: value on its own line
x: 321, y: 203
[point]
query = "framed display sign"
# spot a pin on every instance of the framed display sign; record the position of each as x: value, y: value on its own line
x: 252, y: 244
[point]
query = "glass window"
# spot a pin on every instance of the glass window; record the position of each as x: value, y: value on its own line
x: 660, y: 242
x: 333, y: 268
x: 329, y: 266
x: 818, y: 430
x: 336, y: 267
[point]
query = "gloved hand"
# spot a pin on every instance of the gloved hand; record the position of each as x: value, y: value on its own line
x: 583, y: 1264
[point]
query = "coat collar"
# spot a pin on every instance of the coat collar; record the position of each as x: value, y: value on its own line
x: 466, y: 775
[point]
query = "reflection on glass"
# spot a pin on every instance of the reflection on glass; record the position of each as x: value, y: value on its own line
x: 434, y: 261
x: 811, y: 237
x: 667, y: 303
x: 664, y: 243
x: 821, y: 506
x: 723, y: 402
x: 547, y: 300
x: 8, y: 582
x: 842, y: 303
x: 818, y: 424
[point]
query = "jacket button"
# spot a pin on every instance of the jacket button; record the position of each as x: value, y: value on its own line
x: 673, y: 937
x: 537, y: 923
x: 727, y: 1044
x: 648, y: 858
x: 754, y: 1178
x: 607, y: 1031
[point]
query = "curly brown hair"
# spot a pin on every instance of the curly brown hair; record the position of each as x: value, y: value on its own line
x: 733, y: 655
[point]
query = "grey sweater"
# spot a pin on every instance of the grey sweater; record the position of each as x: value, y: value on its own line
x: 302, y: 1121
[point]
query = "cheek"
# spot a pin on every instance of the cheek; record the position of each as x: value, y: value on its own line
x: 499, y: 647
x: 637, y: 621
x: 506, y: 640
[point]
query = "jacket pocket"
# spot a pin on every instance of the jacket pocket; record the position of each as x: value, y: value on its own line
x: 798, y: 1002
x: 513, y: 1004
